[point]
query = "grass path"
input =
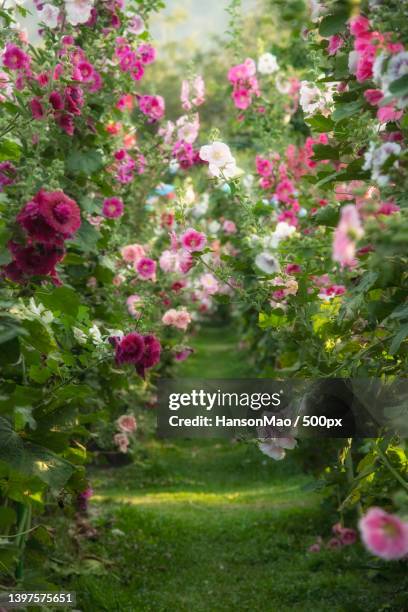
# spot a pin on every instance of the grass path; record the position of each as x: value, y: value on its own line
x: 208, y: 526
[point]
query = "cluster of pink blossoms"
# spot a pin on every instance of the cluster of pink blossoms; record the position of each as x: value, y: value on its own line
x: 65, y: 103
x: 127, y: 425
x: 134, y: 61
x: 8, y: 174
x: 192, y: 94
x: 244, y: 82
x: 342, y: 536
x: 126, y: 166
x: 367, y: 44
x: 177, y: 318
x: 179, y: 258
x: 47, y: 220
x: 142, y: 351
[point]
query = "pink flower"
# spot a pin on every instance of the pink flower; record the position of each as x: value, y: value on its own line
x: 132, y: 252
x: 314, y: 548
x: 122, y: 442
x: 85, y: 70
x: 373, y: 96
x: 348, y: 536
x: 183, y: 354
x: 334, y: 543
x: 242, y: 98
x: 56, y: 100
x: 347, y: 232
x: 131, y: 302
x: 14, y: 58
x: 113, y: 208
x: 152, y: 106
x: 177, y: 318
x: 335, y: 43
x: 359, y: 25
x: 117, y: 280
x: 285, y: 191
x: 129, y: 349
x: 388, y: 113
x: 147, y: 53
x: 136, y: 25
x: 50, y: 217
x: 146, y: 268
x: 263, y: 166
x: 127, y: 423
x: 384, y: 535
x: 193, y: 240
x: 37, y: 109
x: 229, y: 227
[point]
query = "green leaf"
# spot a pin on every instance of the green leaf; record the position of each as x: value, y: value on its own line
x: 87, y: 237
x: 398, y: 339
x: 84, y: 162
x: 400, y: 86
x: 333, y: 24
x: 48, y: 467
x: 9, y: 150
x: 322, y: 152
x: 39, y: 374
x: 7, y: 516
x: 63, y: 300
x: 320, y: 123
x: 348, y: 109
x: 11, y: 445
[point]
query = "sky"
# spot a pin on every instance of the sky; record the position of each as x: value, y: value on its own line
x: 181, y: 19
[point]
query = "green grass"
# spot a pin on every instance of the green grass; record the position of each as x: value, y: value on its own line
x: 210, y: 526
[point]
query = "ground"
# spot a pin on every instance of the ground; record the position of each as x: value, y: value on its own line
x: 215, y: 526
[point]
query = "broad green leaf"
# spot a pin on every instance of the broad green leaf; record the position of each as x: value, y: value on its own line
x: 398, y: 339
x: 63, y: 300
x: 8, y: 516
x: 348, y: 109
x: 11, y: 445
x: 400, y: 86
x: 333, y: 24
x: 84, y: 162
x: 9, y: 150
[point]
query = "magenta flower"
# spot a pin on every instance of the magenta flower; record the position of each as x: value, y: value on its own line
x: 37, y: 109
x: 146, y: 268
x: 113, y: 208
x: 33, y: 260
x: 14, y: 58
x: 147, y: 54
x: 151, y: 354
x: 152, y: 106
x: 193, y: 240
x: 129, y: 349
x: 50, y: 217
x: 384, y: 535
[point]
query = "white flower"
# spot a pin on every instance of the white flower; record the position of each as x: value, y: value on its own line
x: 136, y: 25
x: 316, y: 9
x: 397, y: 68
x: 275, y: 447
x: 376, y: 157
x: 220, y: 160
x: 282, y: 86
x: 78, y: 11
x: 39, y: 311
x: 79, y: 335
x: 267, y: 64
x: 95, y: 334
x: 214, y: 227
x: 282, y: 231
x: 49, y: 15
x: 353, y: 61
x: 267, y: 262
x: 313, y: 99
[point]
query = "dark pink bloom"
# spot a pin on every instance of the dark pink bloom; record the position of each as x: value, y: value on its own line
x: 50, y: 217
x: 8, y: 174
x: 66, y: 122
x: 33, y: 260
x: 193, y: 240
x: 113, y: 208
x: 56, y: 100
x: 293, y: 269
x: 86, y: 70
x: 37, y: 109
x: 129, y: 349
x: 373, y: 96
x: 348, y: 536
x: 14, y: 58
x: 74, y: 100
x: 334, y: 544
x: 359, y: 25
x: 152, y: 106
x: 151, y: 354
x: 388, y: 113
x: 263, y: 166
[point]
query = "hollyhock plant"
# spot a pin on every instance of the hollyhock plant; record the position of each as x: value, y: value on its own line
x: 384, y: 535
x: 193, y: 241
x: 14, y: 58
x: 113, y: 208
